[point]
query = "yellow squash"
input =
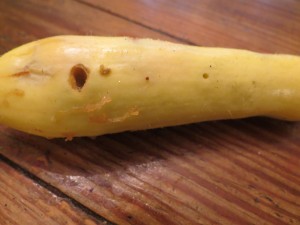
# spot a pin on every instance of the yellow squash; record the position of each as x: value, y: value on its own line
x: 68, y: 86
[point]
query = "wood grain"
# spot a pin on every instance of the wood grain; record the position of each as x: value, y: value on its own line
x: 184, y: 175
x: 265, y: 26
x: 49, y: 18
x: 32, y: 204
x: 225, y: 172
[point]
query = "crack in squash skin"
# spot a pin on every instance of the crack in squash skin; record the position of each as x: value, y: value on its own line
x: 69, y: 86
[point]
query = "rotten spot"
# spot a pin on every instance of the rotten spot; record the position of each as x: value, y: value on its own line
x: 104, y: 70
x: 147, y: 78
x: 78, y: 76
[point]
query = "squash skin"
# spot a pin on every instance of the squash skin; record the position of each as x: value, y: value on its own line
x: 69, y: 86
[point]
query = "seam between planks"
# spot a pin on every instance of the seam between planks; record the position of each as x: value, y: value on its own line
x: 54, y: 190
x: 105, y: 10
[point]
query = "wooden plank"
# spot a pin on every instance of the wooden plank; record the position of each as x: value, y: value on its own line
x: 23, y: 201
x: 235, y: 172
x: 184, y: 175
x: 24, y: 21
x: 267, y: 26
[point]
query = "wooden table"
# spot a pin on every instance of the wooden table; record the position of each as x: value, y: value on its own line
x: 227, y: 172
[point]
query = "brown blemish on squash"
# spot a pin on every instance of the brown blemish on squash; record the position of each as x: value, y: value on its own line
x: 98, y: 119
x: 21, y: 74
x: 130, y: 113
x: 17, y: 92
x: 147, y: 78
x: 78, y: 76
x: 31, y: 71
x: 205, y: 76
x: 104, y: 70
x: 96, y: 106
x: 88, y: 108
x: 104, y: 119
